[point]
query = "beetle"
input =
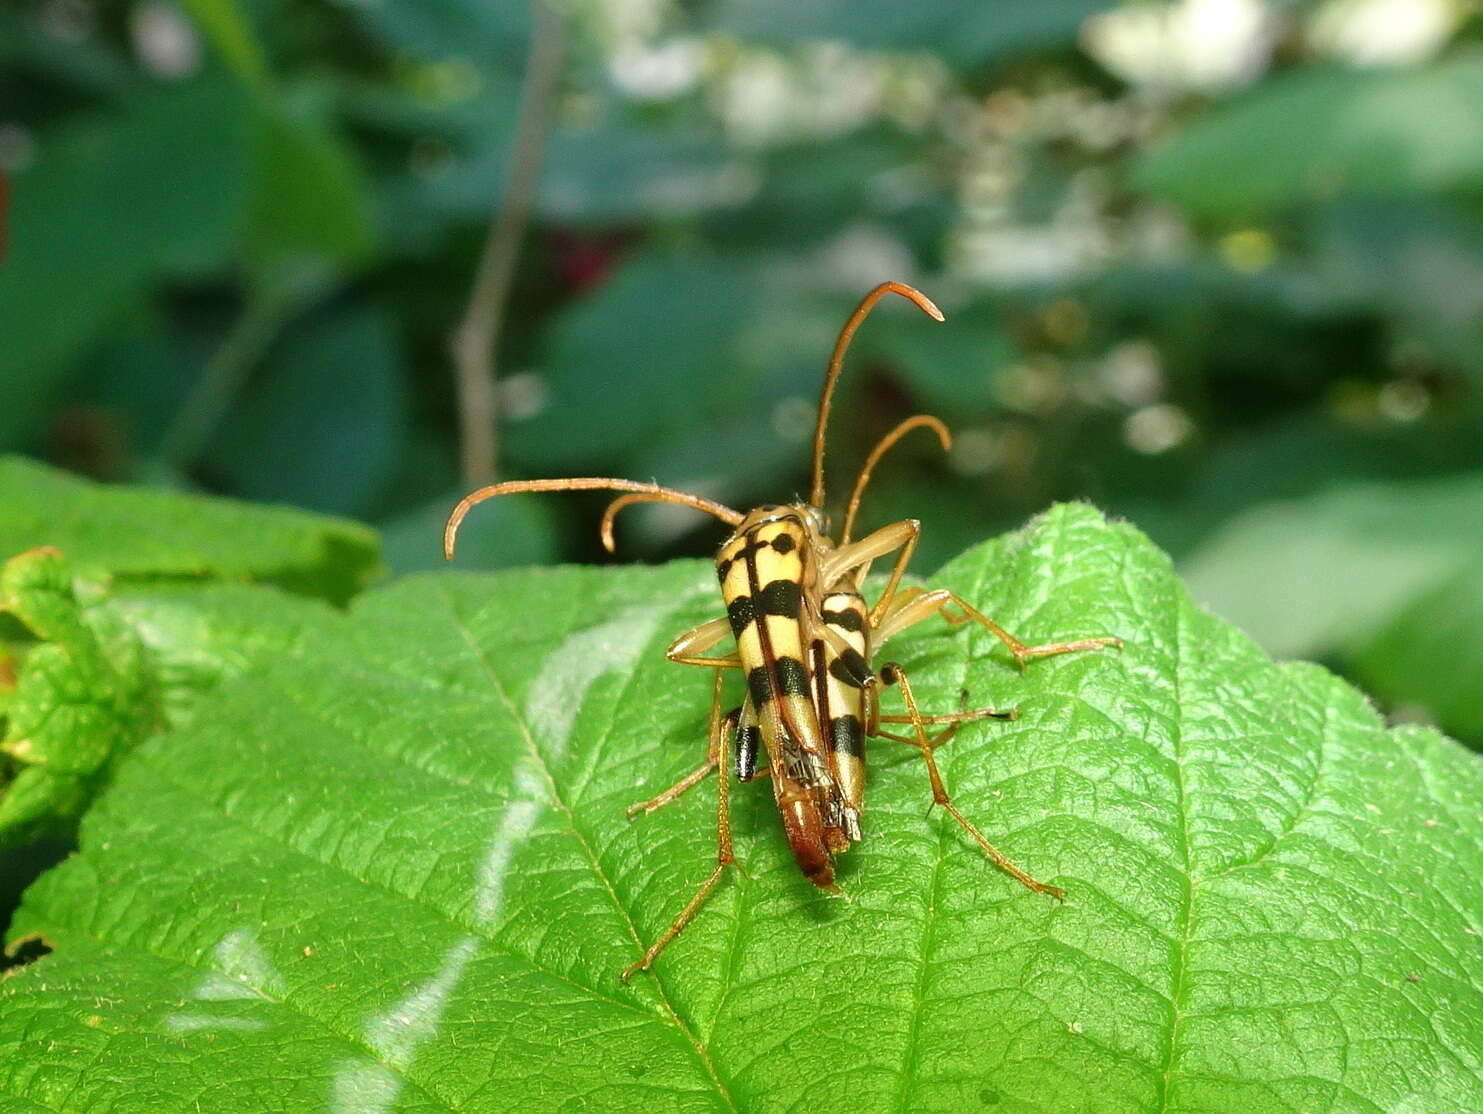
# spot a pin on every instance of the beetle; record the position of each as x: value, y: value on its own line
x: 805, y: 638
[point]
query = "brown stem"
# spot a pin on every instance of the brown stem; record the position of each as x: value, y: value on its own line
x: 475, y: 341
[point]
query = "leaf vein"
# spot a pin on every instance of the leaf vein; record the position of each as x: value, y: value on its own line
x: 702, y: 1055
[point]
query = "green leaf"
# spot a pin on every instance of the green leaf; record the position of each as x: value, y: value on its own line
x: 1382, y: 576
x: 229, y: 29
x: 727, y: 351
x: 309, y: 200
x: 715, y: 343
x: 198, y: 635
x: 81, y: 698
x: 616, y: 173
x: 143, y: 534
x: 457, y: 30
x: 1421, y: 263
x: 1318, y: 132
x: 633, y: 329
x: 386, y: 868
x: 1309, y: 574
x: 1430, y: 656
x: 98, y: 218
x: 516, y: 532
x: 104, y: 666
x: 953, y: 370
x: 812, y: 192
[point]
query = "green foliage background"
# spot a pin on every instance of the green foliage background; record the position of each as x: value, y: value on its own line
x: 1229, y: 288
x: 1224, y: 282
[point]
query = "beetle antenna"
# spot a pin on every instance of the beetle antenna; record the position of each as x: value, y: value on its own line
x: 841, y: 346
x: 650, y: 492
x: 617, y: 505
x: 882, y: 447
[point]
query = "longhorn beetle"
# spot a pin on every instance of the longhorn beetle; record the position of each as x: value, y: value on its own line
x: 804, y: 642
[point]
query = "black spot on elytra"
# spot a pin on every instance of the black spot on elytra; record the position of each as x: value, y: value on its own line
x: 781, y: 597
x: 778, y: 597
x: 748, y: 742
x: 850, y: 668
x: 845, y: 620
x: 846, y: 736
x: 741, y: 613
x: 792, y: 677
x: 759, y: 686
x: 792, y: 680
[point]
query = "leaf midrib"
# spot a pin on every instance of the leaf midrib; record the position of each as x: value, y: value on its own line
x: 1186, y: 910
x: 912, y: 1046
x: 360, y: 1044
x: 701, y: 1053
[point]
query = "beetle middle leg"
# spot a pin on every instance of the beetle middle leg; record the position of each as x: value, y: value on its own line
x: 893, y: 674
x: 954, y: 720
x: 721, y: 729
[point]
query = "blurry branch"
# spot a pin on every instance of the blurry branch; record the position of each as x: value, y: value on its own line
x: 476, y: 339
x: 226, y: 370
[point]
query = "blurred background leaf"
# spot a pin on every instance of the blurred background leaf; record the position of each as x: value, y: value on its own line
x: 1320, y: 132
x: 327, y: 415
x: 94, y: 231
x: 1216, y: 265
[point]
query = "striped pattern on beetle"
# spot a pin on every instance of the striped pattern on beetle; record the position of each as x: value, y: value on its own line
x: 841, y: 672
x: 804, y: 643
x: 767, y: 572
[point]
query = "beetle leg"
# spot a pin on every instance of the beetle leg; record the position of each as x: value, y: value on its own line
x: 955, y: 717
x: 858, y: 555
x: 688, y: 647
x: 893, y: 674
x: 720, y: 731
x: 713, y: 759
x: 909, y: 611
x: 934, y: 741
x: 686, y: 783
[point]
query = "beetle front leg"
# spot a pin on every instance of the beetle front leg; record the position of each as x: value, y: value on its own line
x: 899, y: 536
x: 923, y: 605
x: 719, y: 725
x: 720, y: 732
x: 689, y: 647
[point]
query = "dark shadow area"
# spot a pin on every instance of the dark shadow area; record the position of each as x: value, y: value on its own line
x: 18, y: 869
x: 26, y: 952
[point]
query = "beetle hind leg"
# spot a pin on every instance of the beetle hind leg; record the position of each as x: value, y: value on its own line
x: 893, y: 674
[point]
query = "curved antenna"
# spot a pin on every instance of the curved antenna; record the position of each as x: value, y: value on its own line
x: 841, y: 346
x: 612, y: 512
x: 652, y: 492
x: 882, y: 447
